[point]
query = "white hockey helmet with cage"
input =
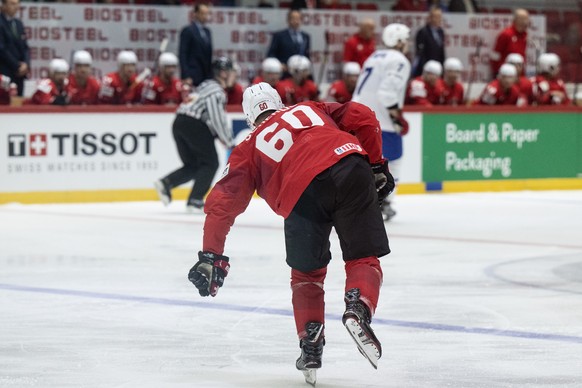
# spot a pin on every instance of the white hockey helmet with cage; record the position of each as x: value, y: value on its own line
x: 168, y: 59
x: 395, y: 33
x: 433, y: 67
x: 548, y: 63
x: 298, y: 63
x: 351, y: 68
x: 126, y: 57
x: 514, y: 59
x: 507, y: 69
x: 258, y: 99
x: 82, y: 57
x: 453, y: 64
x: 59, y: 65
x: 271, y: 65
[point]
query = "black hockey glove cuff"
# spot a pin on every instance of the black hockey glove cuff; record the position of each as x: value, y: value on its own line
x: 383, y: 179
x: 209, y: 273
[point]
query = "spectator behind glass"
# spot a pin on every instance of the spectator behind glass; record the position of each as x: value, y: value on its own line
x: 341, y: 90
x: 362, y: 44
x: 271, y: 71
x: 467, y: 6
x: 290, y: 41
x: 53, y: 90
x: 83, y: 87
x: 14, y: 51
x: 513, y: 39
x: 430, y: 42
x: 195, y: 48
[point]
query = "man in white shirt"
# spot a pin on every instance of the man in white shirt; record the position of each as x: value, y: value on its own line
x: 382, y: 87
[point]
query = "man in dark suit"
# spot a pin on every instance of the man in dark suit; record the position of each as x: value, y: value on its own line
x: 195, y: 49
x: 291, y: 41
x: 430, y: 42
x: 14, y: 52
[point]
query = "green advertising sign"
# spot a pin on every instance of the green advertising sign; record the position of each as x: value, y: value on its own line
x: 499, y: 146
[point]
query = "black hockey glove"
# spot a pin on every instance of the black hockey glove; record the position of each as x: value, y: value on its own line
x: 209, y: 273
x: 384, y: 180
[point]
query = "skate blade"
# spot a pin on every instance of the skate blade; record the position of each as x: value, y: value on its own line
x: 310, y: 376
x: 159, y: 189
x: 368, y: 350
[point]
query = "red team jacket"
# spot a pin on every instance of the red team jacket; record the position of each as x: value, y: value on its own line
x: 526, y: 90
x: 89, y: 95
x: 358, y: 50
x: 291, y: 93
x: 508, y: 41
x: 450, y: 94
x: 339, y: 92
x: 115, y: 91
x: 283, y: 155
x: 47, y: 91
x: 421, y: 93
x: 234, y: 95
x: 544, y: 88
x: 156, y: 91
x: 4, y: 93
x: 493, y: 95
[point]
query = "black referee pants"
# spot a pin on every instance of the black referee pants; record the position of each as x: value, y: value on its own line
x: 196, y: 148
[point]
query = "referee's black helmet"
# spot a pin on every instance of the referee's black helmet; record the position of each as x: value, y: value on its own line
x: 222, y: 63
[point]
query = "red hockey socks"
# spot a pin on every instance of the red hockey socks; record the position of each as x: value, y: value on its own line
x: 365, y: 274
x: 308, y: 294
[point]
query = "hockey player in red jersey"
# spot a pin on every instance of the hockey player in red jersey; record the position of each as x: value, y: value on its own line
x: 341, y: 90
x: 83, y: 87
x: 53, y: 90
x: 164, y: 88
x: 123, y: 86
x: 503, y: 90
x: 339, y: 188
x: 524, y: 84
x: 549, y: 87
x: 299, y: 87
x: 5, y: 89
x: 451, y: 91
x: 271, y: 72
x: 425, y: 90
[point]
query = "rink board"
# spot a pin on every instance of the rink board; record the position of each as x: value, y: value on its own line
x: 108, y: 154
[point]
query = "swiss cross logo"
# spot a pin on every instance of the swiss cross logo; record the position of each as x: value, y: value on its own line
x: 263, y: 106
x: 37, y: 144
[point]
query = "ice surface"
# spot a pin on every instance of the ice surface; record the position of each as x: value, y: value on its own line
x: 481, y: 290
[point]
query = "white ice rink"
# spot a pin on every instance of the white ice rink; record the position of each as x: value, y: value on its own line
x: 481, y: 290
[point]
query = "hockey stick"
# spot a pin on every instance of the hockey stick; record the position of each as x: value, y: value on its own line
x: 325, y: 55
x: 473, y: 75
x: 147, y: 73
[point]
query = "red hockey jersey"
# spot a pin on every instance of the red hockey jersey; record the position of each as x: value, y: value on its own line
x: 526, y: 91
x: 115, y: 91
x: 47, y: 92
x: 550, y: 91
x: 156, y: 91
x: 450, y: 94
x: 234, y: 95
x: 494, y: 95
x: 283, y: 155
x: 339, y: 92
x: 421, y: 93
x: 292, y: 94
x: 4, y: 90
x: 87, y: 95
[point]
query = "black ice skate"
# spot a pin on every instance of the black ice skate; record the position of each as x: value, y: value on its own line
x: 311, y: 351
x: 357, y: 320
x: 387, y: 211
x: 195, y: 206
x: 163, y: 191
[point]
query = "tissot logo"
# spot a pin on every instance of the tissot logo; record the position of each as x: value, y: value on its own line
x: 37, y: 145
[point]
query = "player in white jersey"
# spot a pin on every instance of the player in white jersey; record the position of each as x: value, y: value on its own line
x: 382, y: 87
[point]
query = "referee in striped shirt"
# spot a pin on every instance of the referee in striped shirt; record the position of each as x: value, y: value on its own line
x: 198, y: 122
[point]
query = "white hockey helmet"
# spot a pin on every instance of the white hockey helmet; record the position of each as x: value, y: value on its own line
x: 298, y: 63
x: 548, y: 63
x: 58, y: 65
x: 433, y: 67
x: 351, y: 68
x: 271, y: 65
x: 507, y: 69
x: 82, y: 57
x: 453, y: 64
x: 167, y: 59
x: 260, y: 98
x: 395, y: 33
x: 514, y: 59
x: 126, y: 57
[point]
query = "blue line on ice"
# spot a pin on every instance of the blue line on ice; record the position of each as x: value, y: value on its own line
x: 283, y: 312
